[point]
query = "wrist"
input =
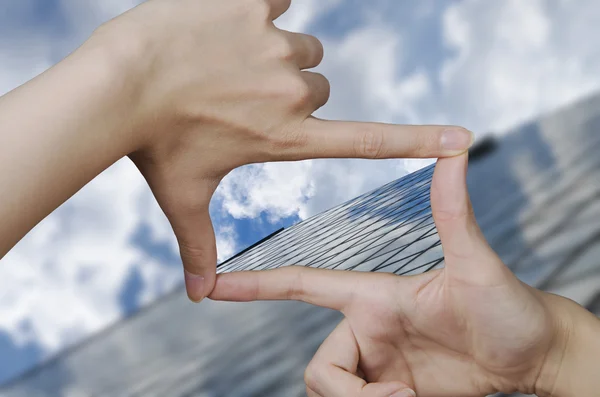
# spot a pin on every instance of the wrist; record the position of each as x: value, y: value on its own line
x: 118, y: 63
x: 64, y: 128
x: 570, y: 367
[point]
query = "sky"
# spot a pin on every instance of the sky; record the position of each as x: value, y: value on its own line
x: 486, y: 65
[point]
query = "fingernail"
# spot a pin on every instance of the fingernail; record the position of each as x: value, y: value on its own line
x: 194, y: 284
x: 457, y: 139
x: 405, y: 393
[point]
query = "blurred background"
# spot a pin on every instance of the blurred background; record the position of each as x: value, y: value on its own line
x: 109, y: 250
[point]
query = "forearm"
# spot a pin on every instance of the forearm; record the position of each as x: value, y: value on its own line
x: 57, y: 132
x: 572, y: 368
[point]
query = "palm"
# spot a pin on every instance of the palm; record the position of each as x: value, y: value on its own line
x: 470, y: 329
x: 446, y: 329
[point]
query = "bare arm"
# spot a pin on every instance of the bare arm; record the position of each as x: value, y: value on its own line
x: 57, y: 132
x: 190, y: 90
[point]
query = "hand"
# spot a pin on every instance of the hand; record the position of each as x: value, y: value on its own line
x: 470, y: 329
x: 215, y: 85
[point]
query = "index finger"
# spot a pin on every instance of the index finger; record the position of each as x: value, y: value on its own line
x: 334, y: 289
x: 340, y: 139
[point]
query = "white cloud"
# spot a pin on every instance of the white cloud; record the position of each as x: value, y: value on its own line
x: 366, y: 70
x: 226, y: 241
x: 303, y: 13
x: 517, y: 59
x: 281, y: 189
x: 66, y: 275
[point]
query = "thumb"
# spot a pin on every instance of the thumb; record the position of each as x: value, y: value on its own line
x: 197, y: 246
x: 185, y: 200
x: 465, y: 247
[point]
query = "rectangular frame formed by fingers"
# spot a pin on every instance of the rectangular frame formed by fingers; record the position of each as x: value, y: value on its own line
x: 389, y: 229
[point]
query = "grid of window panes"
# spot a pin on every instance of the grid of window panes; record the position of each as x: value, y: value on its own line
x: 389, y: 229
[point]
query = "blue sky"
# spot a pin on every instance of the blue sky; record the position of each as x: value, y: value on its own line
x: 107, y: 251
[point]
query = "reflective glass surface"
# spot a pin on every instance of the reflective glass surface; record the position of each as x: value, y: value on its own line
x: 389, y: 229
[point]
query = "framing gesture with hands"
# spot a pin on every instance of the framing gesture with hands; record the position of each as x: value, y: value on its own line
x: 189, y: 90
x: 470, y: 329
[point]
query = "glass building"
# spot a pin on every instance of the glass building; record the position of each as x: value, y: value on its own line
x: 535, y: 192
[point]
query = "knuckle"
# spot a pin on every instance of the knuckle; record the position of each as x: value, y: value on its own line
x: 420, y: 147
x: 370, y: 144
x: 453, y: 212
x: 289, y: 87
x: 282, y: 48
x: 188, y: 202
x: 427, y: 144
x: 451, y: 215
x: 259, y: 8
x: 288, y: 140
x: 295, y: 290
x: 300, y: 91
x: 195, y: 254
x: 179, y: 204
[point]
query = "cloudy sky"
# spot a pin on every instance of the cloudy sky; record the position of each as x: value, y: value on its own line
x: 487, y: 65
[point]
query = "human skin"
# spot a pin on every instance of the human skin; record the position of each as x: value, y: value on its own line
x: 469, y: 329
x: 189, y: 90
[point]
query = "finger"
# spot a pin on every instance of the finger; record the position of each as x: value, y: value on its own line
x: 186, y: 207
x: 312, y: 393
x: 333, y: 289
x: 306, y: 50
x: 339, y: 349
x: 197, y: 246
x: 337, y: 139
x: 278, y: 7
x: 319, y: 89
x: 464, y: 244
x: 339, y: 383
x: 331, y: 373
